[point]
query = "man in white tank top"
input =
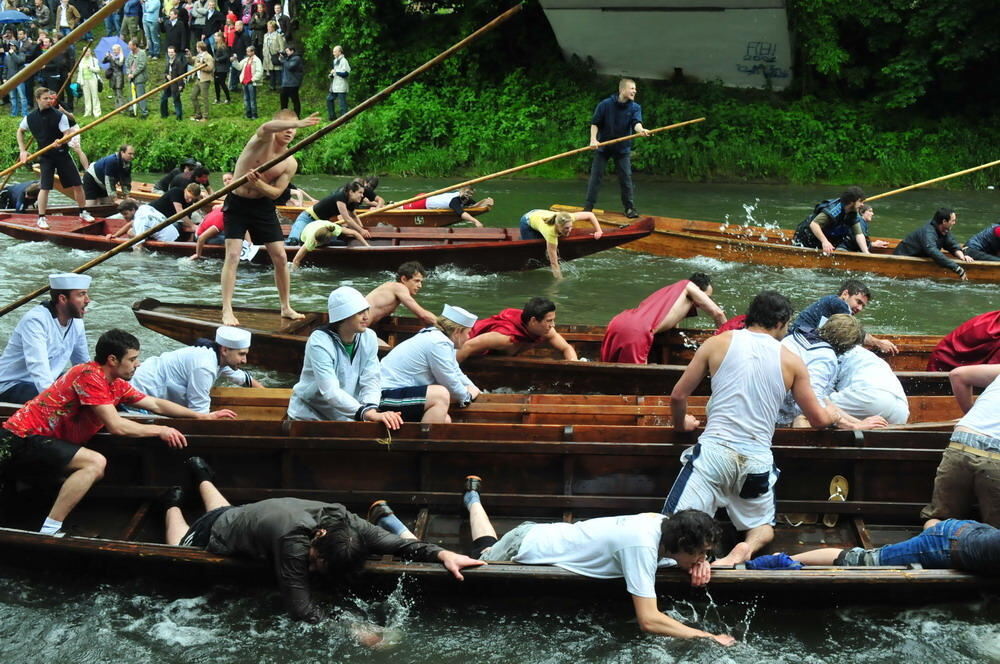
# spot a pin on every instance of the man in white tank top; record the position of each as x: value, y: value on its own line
x: 731, y: 466
x: 970, y: 467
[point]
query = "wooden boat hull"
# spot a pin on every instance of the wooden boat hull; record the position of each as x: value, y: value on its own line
x: 683, y: 238
x: 480, y: 249
x: 280, y: 344
x: 72, y: 211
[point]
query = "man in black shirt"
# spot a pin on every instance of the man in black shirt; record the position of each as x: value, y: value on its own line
x: 186, y: 166
x: 931, y: 238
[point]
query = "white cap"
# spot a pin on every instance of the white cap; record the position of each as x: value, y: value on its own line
x: 459, y: 316
x: 69, y: 281
x: 232, y: 337
x: 344, y: 302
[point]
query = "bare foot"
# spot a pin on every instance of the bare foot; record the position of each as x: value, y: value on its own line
x: 292, y: 314
x: 228, y: 318
x: 740, y: 554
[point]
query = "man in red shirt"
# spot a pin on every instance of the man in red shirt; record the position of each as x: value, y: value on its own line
x: 513, y: 330
x: 47, y: 435
x: 976, y: 341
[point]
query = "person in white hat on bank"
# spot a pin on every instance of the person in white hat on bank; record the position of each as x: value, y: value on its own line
x: 421, y: 378
x: 340, y: 375
x: 48, y: 338
x: 187, y: 375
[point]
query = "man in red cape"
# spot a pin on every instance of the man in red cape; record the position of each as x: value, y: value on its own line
x: 513, y: 330
x: 976, y: 341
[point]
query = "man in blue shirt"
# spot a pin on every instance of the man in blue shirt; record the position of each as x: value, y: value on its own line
x: 615, y: 117
x: 852, y: 299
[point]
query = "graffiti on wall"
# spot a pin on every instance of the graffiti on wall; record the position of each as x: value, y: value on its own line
x: 760, y: 59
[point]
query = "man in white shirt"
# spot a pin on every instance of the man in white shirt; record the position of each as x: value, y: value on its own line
x: 339, y: 86
x: 48, y: 338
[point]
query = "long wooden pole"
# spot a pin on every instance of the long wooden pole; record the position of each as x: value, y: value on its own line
x: 927, y: 182
x: 69, y: 76
x: 68, y: 137
x: 58, y: 47
x: 309, y: 140
x: 539, y: 162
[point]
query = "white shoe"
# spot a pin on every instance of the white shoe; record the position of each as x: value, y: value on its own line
x: 43, y: 223
x: 86, y: 216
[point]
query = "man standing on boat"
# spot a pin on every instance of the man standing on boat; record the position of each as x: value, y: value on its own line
x: 46, y: 339
x: 46, y: 436
x: 832, y: 221
x: 931, y: 238
x: 629, y: 336
x: 187, y: 375
x: 854, y: 296
x: 251, y: 208
x: 732, y: 466
x: 514, y: 330
x: 615, y: 117
x: 385, y: 299
x: 976, y: 341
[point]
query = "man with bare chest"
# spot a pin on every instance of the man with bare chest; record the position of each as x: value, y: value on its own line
x: 386, y: 298
x: 250, y: 208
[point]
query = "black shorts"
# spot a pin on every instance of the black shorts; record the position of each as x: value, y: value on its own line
x: 58, y: 161
x: 92, y: 189
x: 254, y: 215
x: 408, y: 401
x: 200, y: 531
x: 36, y: 456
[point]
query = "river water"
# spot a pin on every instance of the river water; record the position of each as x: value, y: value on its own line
x: 57, y: 617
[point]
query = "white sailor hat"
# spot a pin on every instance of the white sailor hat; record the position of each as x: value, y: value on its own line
x: 459, y: 316
x: 232, y: 337
x: 344, y: 302
x: 69, y: 281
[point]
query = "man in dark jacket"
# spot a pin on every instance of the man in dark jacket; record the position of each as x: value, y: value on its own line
x: 294, y: 537
x: 615, y: 117
x: 291, y: 79
x: 174, y: 67
x: 930, y: 239
x: 176, y: 31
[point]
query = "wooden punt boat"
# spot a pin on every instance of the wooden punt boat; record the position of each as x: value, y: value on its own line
x: 537, y: 472
x: 143, y: 191
x: 684, y: 238
x: 71, y: 210
x: 482, y: 249
x: 279, y: 344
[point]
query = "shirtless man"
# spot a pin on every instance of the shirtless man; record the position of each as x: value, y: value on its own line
x: 385, y: 299
x: 250, y: 207
x: 514, y: 330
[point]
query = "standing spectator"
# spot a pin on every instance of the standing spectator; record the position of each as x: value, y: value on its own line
x: 67, y: 17
x: 135, y: 72
x: 222, y: 66
x: 202, y: 87
x: 213, y: 23
x: 284, y: 22
x: 291, y: 79
x: 88, y: 74
x: 198, y: 12
x: 185, y: 20
x: 86, y: 9
x: 42, y: 14
x: 151, y: 26
x: 116, y: 73
x: 176, y: 32
x: 113, y: 21
x: 274, y: 44
x: 258, y: 27
x: 130, y: 24
x: 237, y: 46
x: 251, y: 73
x: 14, y: 61
x: 174, y: 68
x: 339, y: 72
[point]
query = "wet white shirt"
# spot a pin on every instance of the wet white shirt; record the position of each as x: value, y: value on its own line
x: 40, y: 348
x: 185, y: 376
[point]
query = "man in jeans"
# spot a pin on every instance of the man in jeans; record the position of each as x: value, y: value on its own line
x: 151, y: 26
x: 251, y: 73
x: 339, y: 72
x: 135, y: 74
x: 203, y: 86
x: 174, y: 67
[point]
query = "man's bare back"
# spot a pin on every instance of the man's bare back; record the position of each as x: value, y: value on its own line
x: 387, y: 297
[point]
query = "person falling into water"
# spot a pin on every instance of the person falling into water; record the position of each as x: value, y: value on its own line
x: 250, y: 207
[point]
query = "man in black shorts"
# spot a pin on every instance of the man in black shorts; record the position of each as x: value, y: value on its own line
x: 48, y: 124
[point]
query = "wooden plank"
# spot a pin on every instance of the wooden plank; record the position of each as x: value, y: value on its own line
x: 133, y: 525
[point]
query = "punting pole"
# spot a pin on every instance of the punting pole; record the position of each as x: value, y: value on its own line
x: 927, y: 182
x: 309, y: 140
x: 515, y: 169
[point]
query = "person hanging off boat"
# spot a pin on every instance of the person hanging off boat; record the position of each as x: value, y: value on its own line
x: 323, y: 233
x: 631, y: 547
x: 45, y: 438
x: 832, y: 221
x: 294, y: 537
x: 629, y: 336
x: 550, y: 226
x: 156, y: 212
x: 386, y: 298
x: 341, y: 378
x: 852, y: 299
x: 186, y: 375
x: 420, y: 376
x: 850, y: 243
x: 251, y: 207
x: 104, y: 177
x: 985, y: 245
x: 457, y: 201
x: 867, y: 386
x: 46, y: 339
x: 341, y: 203
x: 513, y: 331
x: 186, y: 167
x: 20, y: 196
x: 928, y: 241
x: 976, y: 341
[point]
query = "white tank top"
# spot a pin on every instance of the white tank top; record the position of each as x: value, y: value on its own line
x: 984, y: 416
x: 747, y: 392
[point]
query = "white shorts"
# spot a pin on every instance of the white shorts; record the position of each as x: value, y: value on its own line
x: 872, y: 401
x: 148, y: 216
x: 715, y: 476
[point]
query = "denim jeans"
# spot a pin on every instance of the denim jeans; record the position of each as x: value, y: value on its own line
x: 113, y: 24
x: 527, y: 232
x: 250, y: 100
x: 932, y: 548
x: 152, y: 31
x: 338, y: 98
x: 301, y: 221
x: 623, y: 165
x: 178, y: 109
x: 19, y: 100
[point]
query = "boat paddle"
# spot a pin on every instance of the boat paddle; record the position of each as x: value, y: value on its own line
x: 927, y: 182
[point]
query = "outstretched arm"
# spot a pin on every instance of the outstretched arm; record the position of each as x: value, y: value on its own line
x: 654, y: 621
x: 408, y: 301
x: 559, y: 342
x: 695, y: 372
x: 592, y: 218
x: 702, y: 301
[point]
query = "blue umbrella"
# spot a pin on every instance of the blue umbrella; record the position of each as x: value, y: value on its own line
x: 104, y: 47
x: 13, y: 16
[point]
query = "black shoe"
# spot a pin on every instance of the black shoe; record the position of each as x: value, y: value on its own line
x: 473, y: 482
x: 588, y: 208
x: 200, y: 470
x: 631, y: 213
x: 378, y: 511
x: 172, y: 497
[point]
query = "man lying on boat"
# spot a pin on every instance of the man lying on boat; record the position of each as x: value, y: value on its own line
x: 45, y: 438
x: 852, y: 299
x: 294, y: 537
x: 20, y: 196
x: 456, y: 201
x: 985, y: 245
x: 514, y: 330
x: 387, y: 297
x: 629, y: 336
x: 833, y: 220
x: 630, y: 547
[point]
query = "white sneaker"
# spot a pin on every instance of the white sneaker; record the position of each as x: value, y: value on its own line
x: 43, y: 223
x: 86, y: 216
